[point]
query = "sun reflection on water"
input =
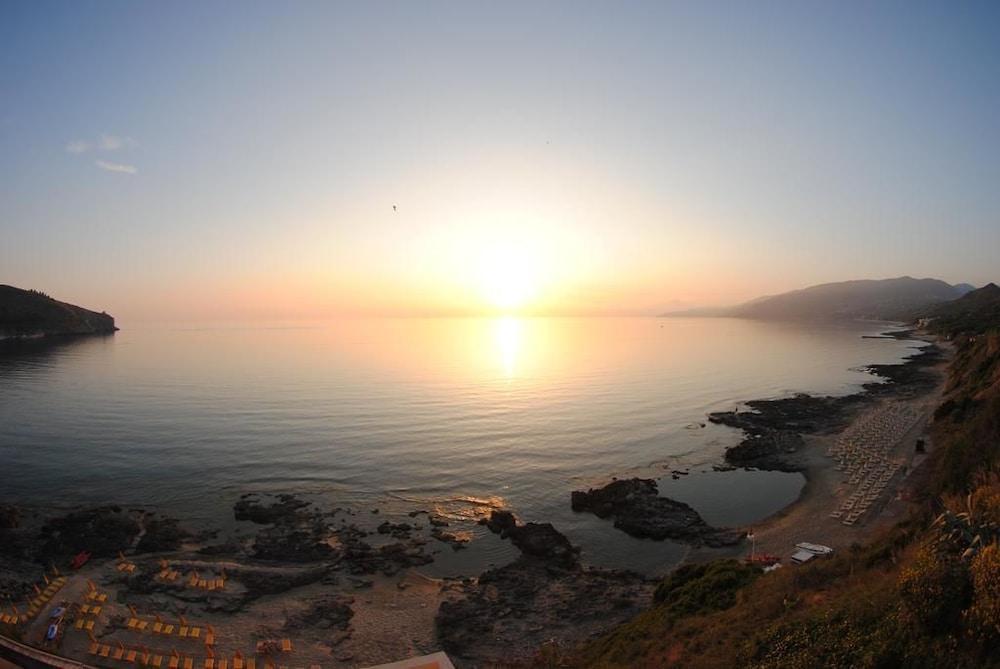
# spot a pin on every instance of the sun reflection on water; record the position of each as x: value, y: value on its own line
x: 507, y: 332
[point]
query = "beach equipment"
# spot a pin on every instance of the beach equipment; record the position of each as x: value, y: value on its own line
x: 79, y: 559
x: 52, y: 632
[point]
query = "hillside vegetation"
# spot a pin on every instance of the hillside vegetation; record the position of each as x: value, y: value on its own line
x: 926, y: 594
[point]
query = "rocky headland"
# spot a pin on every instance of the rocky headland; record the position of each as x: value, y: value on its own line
x: 30, y: 314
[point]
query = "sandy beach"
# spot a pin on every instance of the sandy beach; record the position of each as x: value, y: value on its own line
x: 818, y: 516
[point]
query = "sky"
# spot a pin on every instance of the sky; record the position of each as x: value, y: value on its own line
x: 224, y: 160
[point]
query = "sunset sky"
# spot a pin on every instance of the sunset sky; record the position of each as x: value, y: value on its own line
x: 203, y: 160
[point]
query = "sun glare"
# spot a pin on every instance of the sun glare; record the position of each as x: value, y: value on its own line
x: 509, y: 278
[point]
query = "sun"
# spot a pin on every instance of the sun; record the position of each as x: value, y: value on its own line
x: 508, y: 277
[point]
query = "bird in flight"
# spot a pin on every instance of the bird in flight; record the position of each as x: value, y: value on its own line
x: 394, y: 207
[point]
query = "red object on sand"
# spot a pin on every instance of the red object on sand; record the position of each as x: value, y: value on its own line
x: 763, y: 559
x: 80, y: 559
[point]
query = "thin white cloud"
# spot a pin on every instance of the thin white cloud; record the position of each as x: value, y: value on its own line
x: 105, y: 142
x: 114, y: 142
x: 116, y: 167
x: 78, y: 146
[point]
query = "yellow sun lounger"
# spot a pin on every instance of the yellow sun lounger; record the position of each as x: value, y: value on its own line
x: 89, y: 625
x: 286, y: 645
x: 79, y: 623
x: 142, y: 625
x: 130, y: 655
x: 105, y: 650
x: 188, y: 663
x: 237, y: 662
x: 195, y: 632
x: 209, y: 639
x: 157, y: 661
x: 222, y: 663
x: 209, y: 663
x: 132, y: 622
x: 95, y: 610
x: 251, y: 663
x: 220, y: 583
x: 93, y: 648
x: 4, y: 618
x: 157, y: 626
x: 182, y: 631
x: 117, y: 655
x: 168, y: 629
x: 174, y: 662
x: 103, y: 597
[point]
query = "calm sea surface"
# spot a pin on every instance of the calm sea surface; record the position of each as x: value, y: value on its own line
x: 457, y: 416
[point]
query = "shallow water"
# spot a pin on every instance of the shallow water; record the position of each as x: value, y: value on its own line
x: 457, y: 415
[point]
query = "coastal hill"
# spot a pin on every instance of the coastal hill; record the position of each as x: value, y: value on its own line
x: 30, y: 314
x: 973, y: 313
x: 901, y: 298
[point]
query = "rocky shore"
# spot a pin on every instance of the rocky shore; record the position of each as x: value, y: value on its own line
x: 333, y: 579
x: 773, y: 429
x: 638, y: 510
x: 545, y: 596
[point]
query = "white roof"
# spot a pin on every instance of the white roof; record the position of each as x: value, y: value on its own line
x: 433, y: 661
x: 802, y: 556
x: 818, y: 549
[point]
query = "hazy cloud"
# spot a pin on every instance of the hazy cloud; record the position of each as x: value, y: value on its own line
x: 105, y: 142
x: 77, y: 146
x: 113, y: 142
x: 116, y: 167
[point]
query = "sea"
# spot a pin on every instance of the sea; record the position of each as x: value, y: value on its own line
x: 382, y: 417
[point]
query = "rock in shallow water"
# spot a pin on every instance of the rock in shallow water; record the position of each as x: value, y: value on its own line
x: 638, y: 510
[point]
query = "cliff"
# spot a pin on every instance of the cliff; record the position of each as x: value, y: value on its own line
x: 31, y: 314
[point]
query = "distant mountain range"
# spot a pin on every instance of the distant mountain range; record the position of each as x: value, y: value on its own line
x: 903, y: 298
x: 27, y: 314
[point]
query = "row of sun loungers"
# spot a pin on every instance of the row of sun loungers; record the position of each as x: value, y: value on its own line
x: 183, y: 630
x: 863, y: 453
x: 142, y: 656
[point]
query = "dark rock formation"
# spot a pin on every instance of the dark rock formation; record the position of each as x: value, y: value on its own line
x: 31, y: 314
x: 639, y: 511
x: 161, y: 534
x: 10, y: 517
x: 285, y: 508
x: 510, y: 611
x: 539, y: 540
x: 773, y: 429
x: 103, y: 531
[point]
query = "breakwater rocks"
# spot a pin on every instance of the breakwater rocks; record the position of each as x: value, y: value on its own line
x: 773, y: 429
x: 638, y: 510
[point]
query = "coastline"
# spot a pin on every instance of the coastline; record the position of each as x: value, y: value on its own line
x: 915, y: 385
x: 339, y: 604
